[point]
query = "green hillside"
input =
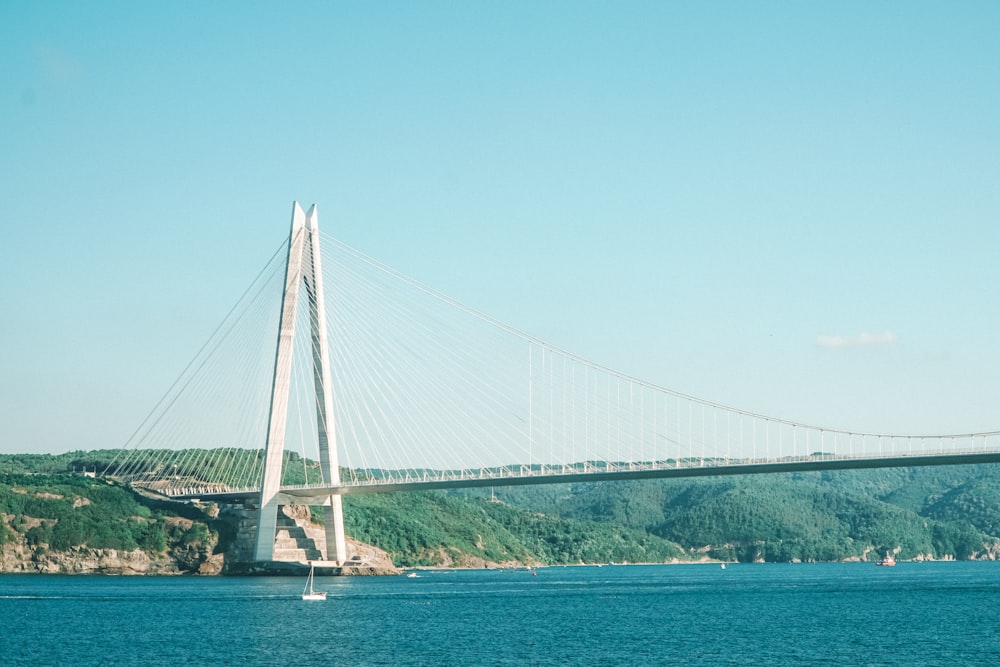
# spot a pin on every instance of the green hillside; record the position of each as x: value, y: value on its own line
x: 436, y: 528
x: 921, y: 512
x: 57, y: 513
x: 945, y: 512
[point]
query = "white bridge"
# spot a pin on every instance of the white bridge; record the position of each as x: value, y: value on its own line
x: 378, y: 383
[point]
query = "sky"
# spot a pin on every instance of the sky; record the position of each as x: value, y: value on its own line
x: 789, y: 208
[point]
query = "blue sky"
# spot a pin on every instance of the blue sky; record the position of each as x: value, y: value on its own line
x: 790, y: 208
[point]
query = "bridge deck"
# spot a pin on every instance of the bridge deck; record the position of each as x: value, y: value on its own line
x: 465, y: 479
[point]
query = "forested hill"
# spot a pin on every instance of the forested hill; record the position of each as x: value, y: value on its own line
x: 931, y: 513
x: 941, y: 512
x: 67, y: 523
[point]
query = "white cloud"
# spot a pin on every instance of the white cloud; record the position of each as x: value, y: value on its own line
x: 863, y: 340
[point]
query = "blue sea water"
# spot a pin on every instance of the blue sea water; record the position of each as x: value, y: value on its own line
x: 794, y: 614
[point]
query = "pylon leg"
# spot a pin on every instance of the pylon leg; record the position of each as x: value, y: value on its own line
x: 333, y: 524
x: 274, y: 447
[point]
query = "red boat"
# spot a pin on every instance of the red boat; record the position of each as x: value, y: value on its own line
x: 888, y: 561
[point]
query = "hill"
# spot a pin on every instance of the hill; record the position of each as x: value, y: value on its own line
x: 931, y: 513
x: 435, y: 529
x: 920, y: 513
x: 63, y: 523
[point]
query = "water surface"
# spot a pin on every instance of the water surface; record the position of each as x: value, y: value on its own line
x: 796, y: 614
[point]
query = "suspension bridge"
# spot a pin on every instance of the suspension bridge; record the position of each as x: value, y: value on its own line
x: 364, y: 380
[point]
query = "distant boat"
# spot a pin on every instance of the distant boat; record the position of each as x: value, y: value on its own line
x: 888, y: 561
x: 723, y: 566
x: 413, y: 575
x: 308, y: 593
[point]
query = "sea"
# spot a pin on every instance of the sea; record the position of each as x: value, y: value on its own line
x: 944, y: 613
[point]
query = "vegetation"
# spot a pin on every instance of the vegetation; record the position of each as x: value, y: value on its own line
x: 946, y: 512
x: 51, y: 464
x: 60, y: 512
x: 430, y: 528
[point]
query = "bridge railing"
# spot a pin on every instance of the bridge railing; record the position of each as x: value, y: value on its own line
x: 552, y: 473
x: 361, y: 478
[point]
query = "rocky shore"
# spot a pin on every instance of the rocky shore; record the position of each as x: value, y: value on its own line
x: 302, y: 540
x: 16, y: 558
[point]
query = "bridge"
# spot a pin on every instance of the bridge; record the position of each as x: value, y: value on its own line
x: 367, y: 381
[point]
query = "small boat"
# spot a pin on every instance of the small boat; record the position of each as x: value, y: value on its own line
x: 888, y: 561
x: 308, y: 593
x: 413, y: 575
x: 723, y: 566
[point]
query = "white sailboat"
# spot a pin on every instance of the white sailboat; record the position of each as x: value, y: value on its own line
x: 308, y: 593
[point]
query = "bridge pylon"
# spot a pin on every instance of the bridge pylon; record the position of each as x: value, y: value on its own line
x: 303, y: 271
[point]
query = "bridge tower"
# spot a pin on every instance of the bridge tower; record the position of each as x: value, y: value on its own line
x: 303, y: 271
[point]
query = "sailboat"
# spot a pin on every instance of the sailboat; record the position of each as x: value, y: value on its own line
x: 308, y: 593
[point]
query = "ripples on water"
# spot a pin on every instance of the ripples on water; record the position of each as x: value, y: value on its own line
x: 808, y: 614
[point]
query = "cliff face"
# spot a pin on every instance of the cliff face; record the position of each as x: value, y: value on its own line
x: 19, y: 558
